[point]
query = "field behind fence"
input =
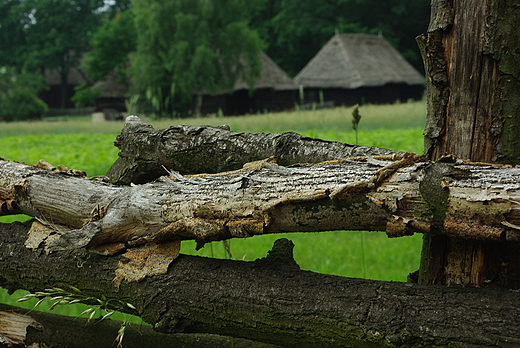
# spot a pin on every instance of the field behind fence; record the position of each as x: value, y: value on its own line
x: 80, y: 144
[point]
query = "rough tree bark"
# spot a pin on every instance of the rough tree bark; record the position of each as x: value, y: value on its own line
x: 147, y: 154
x: 270, y: 300
x: 34, y: 329
x: 471, y: 54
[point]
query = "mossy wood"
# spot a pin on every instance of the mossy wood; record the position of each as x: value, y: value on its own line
x: 20, y: 328
x: 272, y: 301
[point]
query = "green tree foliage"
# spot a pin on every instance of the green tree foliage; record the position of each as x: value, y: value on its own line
x: 117, y: 6
x: 47, y: 34
x: 182, y: 46
x: 18, y: 96
x: 112, y: 44
x: 11, y: 32
x: 85, y: 95
x: 187, y: 46
x: 297, y: 29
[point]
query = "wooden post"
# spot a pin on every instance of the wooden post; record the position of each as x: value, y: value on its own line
x: 471, y: 53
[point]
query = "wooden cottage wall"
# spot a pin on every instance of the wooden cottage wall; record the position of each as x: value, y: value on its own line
x: 389, y: 93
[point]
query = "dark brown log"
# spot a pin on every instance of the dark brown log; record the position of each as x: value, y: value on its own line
x: 51, y: 330
x: 146, y: 153
x: 471, y: 61
x: 272, y: 301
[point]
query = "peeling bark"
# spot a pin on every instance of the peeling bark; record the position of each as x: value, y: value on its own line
x: 399, y: 194
x: 270, y: 300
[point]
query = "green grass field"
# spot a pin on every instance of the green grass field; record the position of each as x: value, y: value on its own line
x: 80, y: 144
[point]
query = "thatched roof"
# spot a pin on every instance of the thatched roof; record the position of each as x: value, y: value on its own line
x: 75, y: 77
x: 111, y: 87
x: 357, y: 60
x: 272, y: 76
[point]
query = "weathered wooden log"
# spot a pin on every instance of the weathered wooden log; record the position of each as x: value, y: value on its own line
x: 270, y: 300
x: 146, y: 153
x: 399, y: 194
x: 470, y: 54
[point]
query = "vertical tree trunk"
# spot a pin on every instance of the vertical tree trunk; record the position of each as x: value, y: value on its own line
x: 471, y: 53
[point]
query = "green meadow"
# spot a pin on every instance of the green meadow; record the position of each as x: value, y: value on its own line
x: 80, y: 144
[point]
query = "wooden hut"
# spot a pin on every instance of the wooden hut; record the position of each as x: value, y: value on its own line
x: 54, y: 93
x: 274, y: 90
x: 112, y: 97
x: 359, y: 68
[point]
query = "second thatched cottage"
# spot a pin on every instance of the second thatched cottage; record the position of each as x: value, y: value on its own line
x: 274, y: 91
x: 359, y: 68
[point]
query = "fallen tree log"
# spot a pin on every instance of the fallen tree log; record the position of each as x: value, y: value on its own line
x: 270, y: 300
x: 146, y: 153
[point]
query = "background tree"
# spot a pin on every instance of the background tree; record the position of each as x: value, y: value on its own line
x: 47, y: 34
x: 114, y: 6
x: 57, y: 34
x: 184, y: 46
x: 18, y: 95
x: 11, y: 32
x: 51, y: 34
x: 112, y: 44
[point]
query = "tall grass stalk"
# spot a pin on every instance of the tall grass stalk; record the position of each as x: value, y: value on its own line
x: 356, y: 117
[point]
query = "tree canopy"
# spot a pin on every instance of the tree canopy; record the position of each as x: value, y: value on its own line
x: 112, y: 43
x: 185, y: 46
x: 47, y: 34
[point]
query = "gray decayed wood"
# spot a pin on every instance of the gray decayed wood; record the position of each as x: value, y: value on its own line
x: 146, y: 152
x: 399, y: 194
x: 272, y: 301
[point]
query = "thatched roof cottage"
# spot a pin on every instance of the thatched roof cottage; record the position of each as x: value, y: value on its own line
x: 52, y: 96
x: 358, y: 68
x: 274, y: 91
x: 112, y: 94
